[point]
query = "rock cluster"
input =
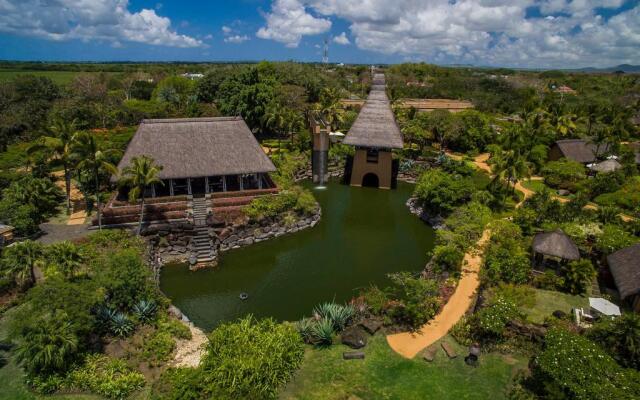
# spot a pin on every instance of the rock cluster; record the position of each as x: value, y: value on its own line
x: 437, y: 222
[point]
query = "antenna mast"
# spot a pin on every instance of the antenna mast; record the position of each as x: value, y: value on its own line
x: 325, y: 54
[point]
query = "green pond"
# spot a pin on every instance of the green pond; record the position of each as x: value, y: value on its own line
x: 363, y: 235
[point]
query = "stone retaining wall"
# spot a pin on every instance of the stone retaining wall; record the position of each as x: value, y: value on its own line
x: 436, y: 222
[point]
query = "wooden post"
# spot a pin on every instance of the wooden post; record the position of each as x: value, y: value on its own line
x: 189, y: 186
x: 153, y: 190
x: 241, y: 182
x: 259, y: 181
x: 171, y: 192
x: 224, y: 183
x: 206, y: 184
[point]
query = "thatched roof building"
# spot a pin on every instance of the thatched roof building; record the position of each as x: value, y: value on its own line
x: 625, y: 268
x: 556, y: 244
x: 198, y: 147
x: 376, y: 125
x: 578, y: 150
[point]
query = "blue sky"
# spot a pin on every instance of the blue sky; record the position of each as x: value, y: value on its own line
x: 519, y: 33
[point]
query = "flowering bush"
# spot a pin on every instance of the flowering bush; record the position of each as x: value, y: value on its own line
x: 491, y: 321
x: 577, y: 368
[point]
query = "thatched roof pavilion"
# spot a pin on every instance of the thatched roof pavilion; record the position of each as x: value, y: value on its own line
x: 579, y: 150
x: 556, y: 244
x: 376, y: 125
x: 625, y: 268
x: 606, y: 166
x: 198, y: 147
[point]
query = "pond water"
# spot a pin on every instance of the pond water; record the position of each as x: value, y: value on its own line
x: 363, y: 235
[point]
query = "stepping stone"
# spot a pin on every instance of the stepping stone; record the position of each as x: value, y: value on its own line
x: 430, y: 353
x: 451, y: 353
x: 353, y: 355
x: 371, y: 325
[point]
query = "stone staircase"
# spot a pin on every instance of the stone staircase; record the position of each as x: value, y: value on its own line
x: 202, y: 246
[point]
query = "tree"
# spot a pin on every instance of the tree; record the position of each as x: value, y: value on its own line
x: 142, y: 173
x: 60, y: 144
x: 48, y: 346
x: 578, y: 275
x: 20, y: 260
x: 440, y: 192
x: 330, y: 108
x: 64, y: 257
x: 92, y: 159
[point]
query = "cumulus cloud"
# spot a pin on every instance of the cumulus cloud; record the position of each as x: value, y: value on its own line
x: 566, y: 33
x: 236, y: 39
x: 108, y: 20
x: 289, y: 20
x: 342, y: 39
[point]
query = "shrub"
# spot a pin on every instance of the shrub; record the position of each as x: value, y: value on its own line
x: 179, y: 384
x: 490, y: 322
x: 605, y: 183
x: 620, y: 337
x: 573, y: 367
x: 448, y: 257
x: 105, y: 376
x: 440, y: 192
x: 578, y: 276
x: 294, y: 199
x: 549, y: 280
x: 627, y: 197
x: 416, y: 299
x: 305, y: 329
x: 339, y: 315
x: 251, y: 359
x: 126, y: 279
x: 506, y: 259
x: 563, y: 174
x: 462, y: 332
x: 158, y: 347
x: 614, y: 238
x: 376, y: 299
x: 176, y: 328
x: 322, y: 332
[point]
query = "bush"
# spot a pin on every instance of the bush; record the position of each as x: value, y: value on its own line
x: 563, y: 174
x: 573, y: 367
x: 605, y: 183
x: 176, y: 328
x: 614, y: 238
x: 627, y: 197
x: 578, y: 276
x: 250, y: 358
x: 490, y: 322
x: 440, y: 192
x: 158, y: 347
x: 448, y: 257
x: 105, y: 376
x: 506, y: 259
x: 126, y: 279
x: 337, y: 314
x: 294, y: 199
x: 322, y: 332
x: 620, y: 337
x: 179, y: 384
x: 416, y: 299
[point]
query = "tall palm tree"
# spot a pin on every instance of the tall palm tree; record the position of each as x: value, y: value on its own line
x: 20, y: 260
x: 293, y: 122
x: 91, y: 158
x: 140, y: 174
x: 330, y: 108
x: 60, y: 145
x: 274, y: 119
x: 566, y: 125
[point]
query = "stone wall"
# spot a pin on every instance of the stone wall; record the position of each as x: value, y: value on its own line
x: 235, y: 237
x: 171, y: 241
x: 436, y: 222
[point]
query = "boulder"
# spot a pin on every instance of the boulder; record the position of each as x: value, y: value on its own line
x: 371, y: 325
x: 430, y: 353
x: 354, y: 337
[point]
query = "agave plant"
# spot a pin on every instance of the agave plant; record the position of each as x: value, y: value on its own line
x: 121, y: 325
x: 322, y: 332
x: 339, y: 315
x: 305, y: 328
x: 104, y: 315
x: 145, y: 310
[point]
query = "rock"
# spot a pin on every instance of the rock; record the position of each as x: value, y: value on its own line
x: 173, y: 310
x: 354, y: 337
x: 563, y: 192
x: 248, y: 241
x: 353, y: 355
x: 430, y: 353
x: 451, y: 352
x: 371, y: 325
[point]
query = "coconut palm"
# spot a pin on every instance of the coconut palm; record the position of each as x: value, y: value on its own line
x: 60, y: 145
x: 139, y: 175
x: 274, y: 119
x: 20, y: 260
x: 65, y: 257
x: 92, y: 159
x: 293, y: 122
x: 330, y: 108
x: 566, y: 125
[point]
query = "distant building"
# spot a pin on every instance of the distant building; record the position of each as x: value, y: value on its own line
x: 6, y: 234
x: 192, y: 76
x: 624, y: 265
x: 374, y: 134
x: 421, y: 105
x: 579, y: 150
x: 565, y: 90
x: 605, y: 166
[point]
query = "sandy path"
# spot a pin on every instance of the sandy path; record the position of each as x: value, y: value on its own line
x: 78, y: 213
x: 189, y: 352
x: 409, y: 344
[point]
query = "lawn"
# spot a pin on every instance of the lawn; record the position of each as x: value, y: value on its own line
x: 58, y: 77
x: 384, y: 374
x: 548, y: 301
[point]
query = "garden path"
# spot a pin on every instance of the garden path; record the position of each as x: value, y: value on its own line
x: 409, y: 344
x: 189, y: 352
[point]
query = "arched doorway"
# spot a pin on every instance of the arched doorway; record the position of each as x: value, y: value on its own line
x: 370, y: 180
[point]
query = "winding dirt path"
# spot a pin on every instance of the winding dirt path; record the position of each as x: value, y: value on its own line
x: 409, y: 344
x: 189, y: 352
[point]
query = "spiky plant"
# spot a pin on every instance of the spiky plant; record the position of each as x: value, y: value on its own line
x: 121, y: 325
x: 305, y: 328
x: 342, y: 316
x: 104, y: 315
x: 322, y: 332
x: 145, y: 310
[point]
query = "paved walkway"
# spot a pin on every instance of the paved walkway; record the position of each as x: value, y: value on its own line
x: 409, y: 344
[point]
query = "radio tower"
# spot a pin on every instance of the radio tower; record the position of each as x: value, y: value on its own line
x: 325, y: 54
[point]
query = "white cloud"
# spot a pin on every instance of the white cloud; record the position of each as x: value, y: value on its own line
x: 289, y: 20
x: 226, y: 30
x: 108, y: 20
x: 236, y: 39
x: 569, y: 33
x: 342, y: 39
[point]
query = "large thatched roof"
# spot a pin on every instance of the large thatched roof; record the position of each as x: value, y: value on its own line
x: 625, y: 268
x: 606, y: 166
x: 580, y: 150
x: 556, y: 244
x: 197, y: 147
x: 376, y: 125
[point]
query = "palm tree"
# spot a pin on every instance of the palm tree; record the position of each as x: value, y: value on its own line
x: 293, y: 122
x: 92, y: 159
x: 60, y: 144
x: 330, y: 108
x: 274, y: 118
x: 566, y: 125
x: 20, y: 260
x: 142, y: 173
x: 65, y: 257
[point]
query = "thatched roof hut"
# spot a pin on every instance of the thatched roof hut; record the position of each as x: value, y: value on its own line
x: 376, y: 125
x: 198, y: 147
x: 556, y: 244
x: 579, y: 150
x: 625, y: 268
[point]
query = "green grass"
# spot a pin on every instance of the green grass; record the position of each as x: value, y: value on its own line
x: 536, y: 186
x: 59, y: 77
x: 383, y: 374
x: 480, y: 179
x: 548, y: 301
